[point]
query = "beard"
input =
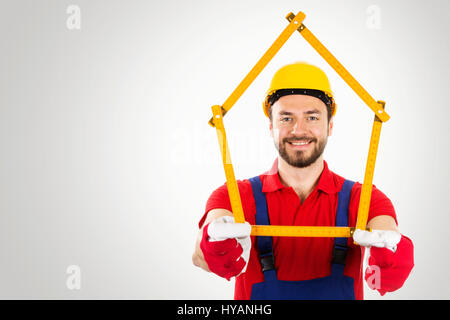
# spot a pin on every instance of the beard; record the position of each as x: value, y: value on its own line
x: 300, y: 158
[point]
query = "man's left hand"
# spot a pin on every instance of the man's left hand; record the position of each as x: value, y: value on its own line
x: 390, y: 252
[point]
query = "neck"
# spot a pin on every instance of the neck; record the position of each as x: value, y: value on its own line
x: 302, y: 180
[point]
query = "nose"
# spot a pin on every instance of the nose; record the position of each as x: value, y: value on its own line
x: 298, y: 127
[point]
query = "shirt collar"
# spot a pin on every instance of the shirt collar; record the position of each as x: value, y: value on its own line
x: 273, y: 183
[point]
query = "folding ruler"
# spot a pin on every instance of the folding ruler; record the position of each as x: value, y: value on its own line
x: 296, y: 23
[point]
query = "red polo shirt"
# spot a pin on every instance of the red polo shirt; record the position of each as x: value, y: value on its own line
x: 298, y: 258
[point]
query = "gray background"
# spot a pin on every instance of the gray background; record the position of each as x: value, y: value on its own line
x: 106, y: 158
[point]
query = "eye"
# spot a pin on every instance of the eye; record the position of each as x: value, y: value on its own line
x: 313, y: 118
x: 285, y: 119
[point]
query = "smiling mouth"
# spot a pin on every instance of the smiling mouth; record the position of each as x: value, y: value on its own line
x: 300, y: 143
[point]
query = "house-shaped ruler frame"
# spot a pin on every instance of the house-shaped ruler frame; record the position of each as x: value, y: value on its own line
x: 296, y: 23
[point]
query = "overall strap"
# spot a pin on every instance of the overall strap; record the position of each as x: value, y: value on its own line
x: 340, y: 244
x: 264, y: 243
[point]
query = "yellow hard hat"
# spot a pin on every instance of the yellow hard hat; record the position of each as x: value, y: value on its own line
x: 300, y: 78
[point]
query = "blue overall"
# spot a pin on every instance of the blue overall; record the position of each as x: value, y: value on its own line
x: 334, y: 287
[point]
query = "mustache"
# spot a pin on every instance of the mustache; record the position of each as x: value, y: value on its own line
x: 297, y: 139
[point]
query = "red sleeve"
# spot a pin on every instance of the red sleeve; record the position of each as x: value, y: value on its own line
x: 219, y: 199
x: 380, y: 204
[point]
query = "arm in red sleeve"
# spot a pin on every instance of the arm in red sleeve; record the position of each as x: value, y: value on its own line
x: 219, y: 198
x: 380, y: 204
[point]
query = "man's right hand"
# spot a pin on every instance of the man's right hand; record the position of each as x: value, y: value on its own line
x: 226, y: 246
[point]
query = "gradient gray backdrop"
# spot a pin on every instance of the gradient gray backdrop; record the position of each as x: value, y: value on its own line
x: 106, y: 158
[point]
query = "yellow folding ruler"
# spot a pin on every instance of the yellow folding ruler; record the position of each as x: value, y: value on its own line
x: 296, y: 23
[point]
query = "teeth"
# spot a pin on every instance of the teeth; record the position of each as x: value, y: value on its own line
x: 299, y: 143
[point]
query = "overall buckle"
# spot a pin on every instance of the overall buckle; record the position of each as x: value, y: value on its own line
x: 267, y: 263
x: 339, y: 254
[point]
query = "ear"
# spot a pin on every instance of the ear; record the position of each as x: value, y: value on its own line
x: 271, y: 128
x: 330, y: 126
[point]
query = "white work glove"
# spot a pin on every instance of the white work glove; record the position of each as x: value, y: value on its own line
x: 377, y: 238
x: 225, y: 228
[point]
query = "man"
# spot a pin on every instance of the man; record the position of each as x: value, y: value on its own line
x: 299, y: 189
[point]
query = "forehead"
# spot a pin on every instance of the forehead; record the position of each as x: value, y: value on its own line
x: 298, y: 103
